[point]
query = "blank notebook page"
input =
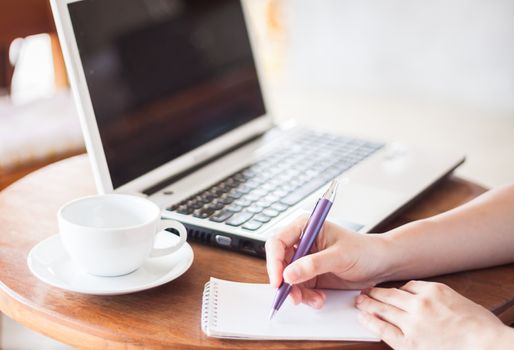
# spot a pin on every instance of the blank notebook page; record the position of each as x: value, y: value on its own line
x: 241, y: 310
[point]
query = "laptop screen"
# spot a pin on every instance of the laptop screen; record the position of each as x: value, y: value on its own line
x: 164, y: 77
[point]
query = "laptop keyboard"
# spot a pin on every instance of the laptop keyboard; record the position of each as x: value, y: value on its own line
x: 260, y: 192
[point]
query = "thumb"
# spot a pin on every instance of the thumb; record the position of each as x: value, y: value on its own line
x: 309, y: 267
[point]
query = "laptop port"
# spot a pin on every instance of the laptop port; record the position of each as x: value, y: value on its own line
x: 247, y: 247
x: 223, y: 240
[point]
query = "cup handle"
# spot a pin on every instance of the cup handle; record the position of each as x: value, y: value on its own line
x: 164, y: 224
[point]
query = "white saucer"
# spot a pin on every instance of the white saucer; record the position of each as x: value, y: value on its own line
x: 50, y: 263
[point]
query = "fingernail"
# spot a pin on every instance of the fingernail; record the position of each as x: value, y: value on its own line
x: 359, y: 299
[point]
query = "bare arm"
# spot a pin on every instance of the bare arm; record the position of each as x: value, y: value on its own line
x: 475, y: 235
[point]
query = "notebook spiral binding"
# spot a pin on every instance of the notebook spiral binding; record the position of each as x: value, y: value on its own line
x: 210, y: 306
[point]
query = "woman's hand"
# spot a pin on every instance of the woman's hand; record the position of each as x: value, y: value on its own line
x: 427, y: 315
x: 341, y: 259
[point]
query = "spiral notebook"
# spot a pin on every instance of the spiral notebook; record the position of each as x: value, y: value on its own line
x: 241, y: 311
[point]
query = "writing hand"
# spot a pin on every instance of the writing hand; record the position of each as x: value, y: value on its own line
x: 340, y: 259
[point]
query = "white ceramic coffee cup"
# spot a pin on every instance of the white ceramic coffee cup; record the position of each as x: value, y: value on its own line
x: 113, y: 234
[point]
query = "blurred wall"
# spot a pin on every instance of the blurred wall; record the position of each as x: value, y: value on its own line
x: 433, y: 73
x: 458, y: 51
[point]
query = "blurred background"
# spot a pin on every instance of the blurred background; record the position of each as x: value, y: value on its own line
x: 437, y: 73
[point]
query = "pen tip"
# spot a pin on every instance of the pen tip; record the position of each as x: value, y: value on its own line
x: 272, y: 313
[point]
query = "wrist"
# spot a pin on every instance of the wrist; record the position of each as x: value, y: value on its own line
x: 401, y: 250
x: 386, y: 256
x: 497, y: 336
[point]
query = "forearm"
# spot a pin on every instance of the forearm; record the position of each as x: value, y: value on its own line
x: 477, y: 234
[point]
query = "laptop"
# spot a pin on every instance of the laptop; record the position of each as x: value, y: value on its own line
x: 172, y: 108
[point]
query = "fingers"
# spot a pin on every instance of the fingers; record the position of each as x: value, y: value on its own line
x: 309, y: 267
x: 424, y: 287
x: 389, y: 333
x: 398, y: 298
x: 386, y: 312
x: 296, y: 295
x: 277, y: 246
x: 311, y: 297
x: 414, y: 287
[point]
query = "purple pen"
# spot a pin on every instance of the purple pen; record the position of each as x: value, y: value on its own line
x: 307, y: 238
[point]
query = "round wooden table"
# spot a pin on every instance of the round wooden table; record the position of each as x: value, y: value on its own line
x: 169, y: 316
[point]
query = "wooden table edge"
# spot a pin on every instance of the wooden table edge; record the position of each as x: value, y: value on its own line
x: 61, y: 328
x: 52, y: 324
x: 506, y: 313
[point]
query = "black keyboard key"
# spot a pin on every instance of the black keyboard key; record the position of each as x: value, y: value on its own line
x: 184, y: 209
x: 225, y: 199
x: 216, y: 191
x: 215, y: 205
x: 231, y: 182
x: 239, y: 218
x: 203, y: 213
x: 200, y: 199
x: 221, y: 216
x: 173, y: 207
x: 206, y: 197
x: 253, y: 225
x: 195, y: 204
x: 240, y: 178
x: 302, y: 192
